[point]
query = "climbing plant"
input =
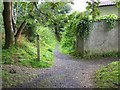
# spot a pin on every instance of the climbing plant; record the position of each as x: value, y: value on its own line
x: 92, y: 8
x: 79, y: 24
x: 109, y: 19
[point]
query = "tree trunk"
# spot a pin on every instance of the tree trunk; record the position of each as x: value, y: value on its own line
x: 14, y: 18
x: 14, y: 26
x: 57, y: 33
x: 18, y: 34
x: 7, y: 17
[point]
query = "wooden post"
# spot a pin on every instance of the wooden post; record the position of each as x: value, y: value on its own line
x: 38, y: 47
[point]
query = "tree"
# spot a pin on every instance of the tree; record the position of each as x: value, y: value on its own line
x: 92, y: 8
x: 54, y: 15
x: 11, y: 34
x: 7, y: 17
x: 17, y: 16
x: 22, y: 19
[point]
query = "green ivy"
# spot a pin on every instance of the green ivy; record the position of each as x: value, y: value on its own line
x: 109, y: 19
x: 79, y: 24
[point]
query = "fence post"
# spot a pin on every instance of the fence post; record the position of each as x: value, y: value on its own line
x: 38, y: 47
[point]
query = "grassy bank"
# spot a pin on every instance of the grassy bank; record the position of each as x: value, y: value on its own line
x: 25, y: 52
x: 108, y: 77
x: 24, y: 55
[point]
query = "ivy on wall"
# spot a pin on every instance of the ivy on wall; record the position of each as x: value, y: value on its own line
x: 79, y: 24
x: 109, y: 19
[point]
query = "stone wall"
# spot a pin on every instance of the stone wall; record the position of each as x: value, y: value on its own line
x: 102, y: 39
x: 108, y: 10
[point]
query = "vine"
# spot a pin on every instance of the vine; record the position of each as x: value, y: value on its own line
x: 79, y: 24
x: 109, y: 19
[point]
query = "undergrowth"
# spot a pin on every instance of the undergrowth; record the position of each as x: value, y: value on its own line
x: 108, y: 77
x: 25, y: 52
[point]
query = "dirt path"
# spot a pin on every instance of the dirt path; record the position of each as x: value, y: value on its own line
x: 67, y: 73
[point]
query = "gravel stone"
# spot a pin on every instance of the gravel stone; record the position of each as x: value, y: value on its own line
x: 66, y: 73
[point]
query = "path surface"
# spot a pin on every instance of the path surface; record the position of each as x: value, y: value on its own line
x: 67, y: 73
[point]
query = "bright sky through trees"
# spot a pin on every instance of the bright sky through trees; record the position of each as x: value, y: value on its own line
x: 79, y: 5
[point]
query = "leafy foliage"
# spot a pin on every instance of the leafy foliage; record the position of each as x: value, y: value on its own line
x: 48, y: 14
x: 117, y: 3
x: 79, y: 24
x: 108, y: 77
x: 109, y: 19
x: 51, y: 15
x: 92, y: 8
x: 25, y: 53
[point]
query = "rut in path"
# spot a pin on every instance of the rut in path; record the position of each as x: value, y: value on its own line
x: 67, y: 73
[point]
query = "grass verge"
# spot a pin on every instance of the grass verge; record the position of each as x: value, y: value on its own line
x: 108, y: 77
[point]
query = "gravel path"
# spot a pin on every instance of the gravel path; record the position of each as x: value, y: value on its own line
x: 67, y: 73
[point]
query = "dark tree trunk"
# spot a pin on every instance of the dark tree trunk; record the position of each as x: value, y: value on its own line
x: 57, y: 33
x: 7, y: 17
x: 18, y: 34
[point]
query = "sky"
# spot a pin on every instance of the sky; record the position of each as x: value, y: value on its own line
x: 79, y: 5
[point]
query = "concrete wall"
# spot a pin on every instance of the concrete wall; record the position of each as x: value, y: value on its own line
x: 102, y: 39
x: 108, y: 10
